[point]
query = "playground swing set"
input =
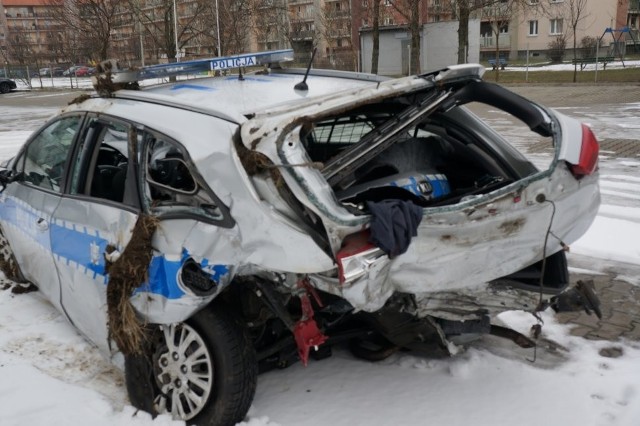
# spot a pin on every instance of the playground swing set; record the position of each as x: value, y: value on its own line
x: 616, y: 50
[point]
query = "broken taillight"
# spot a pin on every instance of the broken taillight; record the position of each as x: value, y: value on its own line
x: 588, y: 162
x: 358, y: 256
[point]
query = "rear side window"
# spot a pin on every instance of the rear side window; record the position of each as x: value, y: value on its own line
x: 100, y: 167
x: 173, y: 186
x: 44, y: 160
x: 342, y: 130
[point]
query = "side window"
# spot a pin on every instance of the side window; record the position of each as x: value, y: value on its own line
x: 100, y: 166
x: 46, y: 155
x: 172, y: 185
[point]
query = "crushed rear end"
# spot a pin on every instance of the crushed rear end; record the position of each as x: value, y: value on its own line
x: 492, y: 227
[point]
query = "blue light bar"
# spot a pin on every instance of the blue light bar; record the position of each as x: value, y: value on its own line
x: 201, y: 65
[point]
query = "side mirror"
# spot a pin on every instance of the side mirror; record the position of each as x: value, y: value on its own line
x: 7, y: 176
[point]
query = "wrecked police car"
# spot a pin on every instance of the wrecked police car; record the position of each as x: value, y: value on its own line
x: 204, y: 230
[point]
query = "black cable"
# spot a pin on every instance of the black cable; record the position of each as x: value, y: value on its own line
x: 542, y: 199
x: 544, y: 249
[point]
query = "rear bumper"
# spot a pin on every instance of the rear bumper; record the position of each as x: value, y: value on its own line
x: 459, y: 250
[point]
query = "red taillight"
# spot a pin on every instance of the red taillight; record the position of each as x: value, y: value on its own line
x: 588, y: 162
x: 353, y: 255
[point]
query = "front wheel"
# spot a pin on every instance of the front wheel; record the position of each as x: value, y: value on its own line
x: 5, y: 88
x: 203, y: 371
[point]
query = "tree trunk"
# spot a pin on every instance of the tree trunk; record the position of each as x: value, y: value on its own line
x: 376, y: 37
x: 463, y: 31
x: 414, y: 27
x: 575, y: 63
x: 497, y: 33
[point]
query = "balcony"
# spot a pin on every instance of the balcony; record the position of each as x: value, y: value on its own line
x: 338, y: 14
x: 498, y: 10
x: 302, y: 16
x: 504, y: 42
x: 302, y: 35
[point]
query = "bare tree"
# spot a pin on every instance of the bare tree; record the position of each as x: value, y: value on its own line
x: 271, y: 26
x: 499, y: 15
x: 160, y: 23
x: 21, y: 50
x: 93, y: 19
x: 410, y: 10
x: 234, y: 16
x: 302, y: 34
x: 335, y: 27
x: 464, y: 10
x: 375, y: 53
x: 576, y: 12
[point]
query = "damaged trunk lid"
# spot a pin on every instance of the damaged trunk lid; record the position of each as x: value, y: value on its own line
x: 483, y: 207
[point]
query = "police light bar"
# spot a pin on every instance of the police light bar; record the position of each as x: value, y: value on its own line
x: 200, y: 65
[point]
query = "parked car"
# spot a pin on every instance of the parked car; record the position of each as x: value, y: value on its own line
x: 46, y: 72
x: 84, y: 71
x: 71, y: 71
x: 210, y: 230
x: 7, y: 85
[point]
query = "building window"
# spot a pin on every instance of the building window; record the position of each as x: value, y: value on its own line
x: 556, y: 26
x: 533, y: 28
x: 556, y: 1
x: 534, y: 2
x: 388, y: 20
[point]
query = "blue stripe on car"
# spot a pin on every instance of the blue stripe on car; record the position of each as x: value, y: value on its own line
x: 71, y: 245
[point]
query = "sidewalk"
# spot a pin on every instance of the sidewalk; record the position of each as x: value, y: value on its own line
x: 620, y: 310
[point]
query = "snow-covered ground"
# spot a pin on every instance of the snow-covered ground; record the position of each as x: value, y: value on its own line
x: 570, y: 67
x: 50, y: 376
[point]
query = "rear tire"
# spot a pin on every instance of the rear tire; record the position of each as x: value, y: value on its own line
x: 5, y: 88
x: 203, y: 371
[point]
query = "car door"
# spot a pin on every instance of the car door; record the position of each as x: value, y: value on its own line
x: 28, y: 203
x: 99, y: 210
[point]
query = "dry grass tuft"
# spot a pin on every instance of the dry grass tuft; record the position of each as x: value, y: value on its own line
x: 126, y: 274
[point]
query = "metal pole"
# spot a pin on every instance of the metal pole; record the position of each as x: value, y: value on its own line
x: 218, y: 28
x: 597, y: 52
x: 175, y: 25
x: 526, y: 74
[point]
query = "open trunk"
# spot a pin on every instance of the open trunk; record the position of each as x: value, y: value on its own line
x: 484, y: 207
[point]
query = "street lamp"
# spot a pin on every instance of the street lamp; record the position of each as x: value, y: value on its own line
x: 175, y: 29
x: 218, y: 28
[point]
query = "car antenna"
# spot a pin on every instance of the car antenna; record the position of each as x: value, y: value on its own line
x: 303, y: 84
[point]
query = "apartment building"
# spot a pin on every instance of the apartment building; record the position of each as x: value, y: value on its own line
x: 536, y: 27
x: 511, y: 28
x: 28, y: 30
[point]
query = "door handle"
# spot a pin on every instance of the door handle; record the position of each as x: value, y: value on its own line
x: 42, y: 224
